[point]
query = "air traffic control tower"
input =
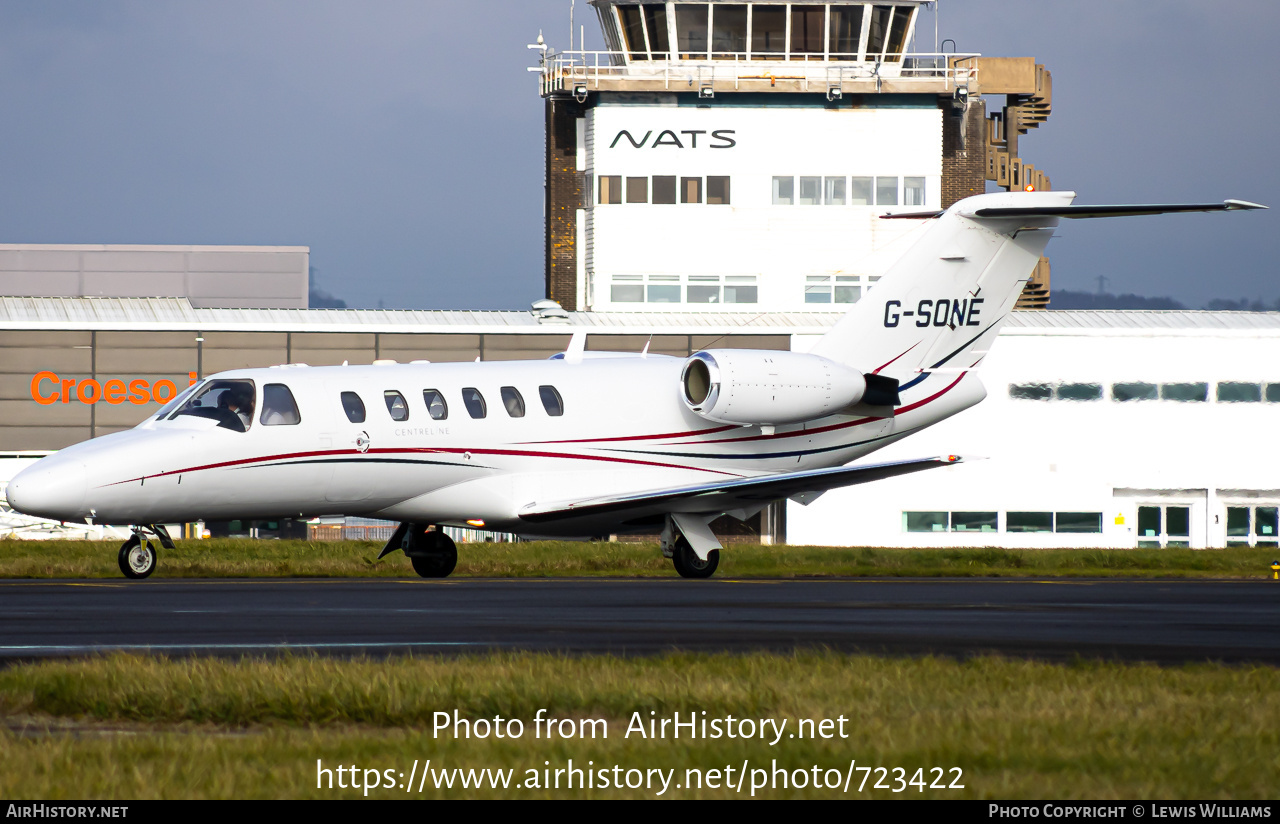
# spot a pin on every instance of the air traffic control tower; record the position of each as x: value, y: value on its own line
x: 734, y: 156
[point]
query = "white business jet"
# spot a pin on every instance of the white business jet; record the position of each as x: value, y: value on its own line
x: 584, y: 443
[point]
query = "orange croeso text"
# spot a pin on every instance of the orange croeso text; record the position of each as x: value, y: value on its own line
x: 47, y: 388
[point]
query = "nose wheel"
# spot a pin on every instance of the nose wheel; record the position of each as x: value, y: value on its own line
x: 137, y: 557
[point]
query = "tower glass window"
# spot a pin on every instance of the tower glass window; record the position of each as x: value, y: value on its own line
x: 845, y: 33
x: 655, y: 21
x: 880, y: 19
x: 898, y: 32
x: 691, y: 30
x: 729, y: 31
x: 768, y: 32
x: 633, y: 32
x: 808, y: 29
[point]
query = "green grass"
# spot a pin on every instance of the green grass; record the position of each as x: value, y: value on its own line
x: 242, y: 558
x: 135, y: 727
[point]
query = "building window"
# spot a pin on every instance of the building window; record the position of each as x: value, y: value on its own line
x: 729, y: 32
x: 817, y: 289
x: 784, y: 189
x: 1077, y: 522
x: 808, y: 29
x: 974, y: 522
x: 637, y: 190
x: 848, y: 288
x: 663, y: 289
x: 664, y: 189
x: 436, y: 406
x: 396, y: 405
x: 740, y: 289
x: 610, y: 189
x: 1028, y: 522
x: 626, y: 289
x: 913, y: 191
x: 655, y: 19
x: 886, y: 191
x: 551, y: 401
x: 717, y: 190
x: 1185, y: 392
x: 703, y: 289
x: 810, y: 191
x: 924, y: 521
x: 1256, y: 526
x: 1080, y: 392
x: 833, y: 191
x: 861, y: 191
x: 1272, y: 393
x: 633, y: 32
x: 1233, y: 392
x: 353, y: 406
x: 1030, y: 391
x: 690, y: 190
x: 1167, y: 526
x: 1134, y: 392
x: 691, y: 30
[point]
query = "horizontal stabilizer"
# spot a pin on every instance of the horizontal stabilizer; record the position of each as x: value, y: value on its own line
x: 722, y: 496
x: 1078, y: 212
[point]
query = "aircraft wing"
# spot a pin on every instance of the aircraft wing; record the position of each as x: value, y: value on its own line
x: 1079, y: 212
x: 724, y: 496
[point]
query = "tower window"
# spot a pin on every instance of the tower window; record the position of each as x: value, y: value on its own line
x: 637, y: 190
x: 664, y: 188
x: 718, y: 190
x: 690, y: 190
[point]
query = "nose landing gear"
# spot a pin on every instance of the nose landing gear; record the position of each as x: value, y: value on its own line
x: 137, y: 558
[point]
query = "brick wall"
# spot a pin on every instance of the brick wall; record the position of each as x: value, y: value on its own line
x: 564, y: 197
x: 963, y: 169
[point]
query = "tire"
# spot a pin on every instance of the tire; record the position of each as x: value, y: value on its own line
x: 689, y: 565
x: 137, y: 559
x: 439, y: 555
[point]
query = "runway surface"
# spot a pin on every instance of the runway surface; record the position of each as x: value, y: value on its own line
x: 1165, y: 621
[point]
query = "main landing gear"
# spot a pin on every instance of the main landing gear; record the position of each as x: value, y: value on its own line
x: 137, y: 556
x: 676, y: 546
x: 432, y: 553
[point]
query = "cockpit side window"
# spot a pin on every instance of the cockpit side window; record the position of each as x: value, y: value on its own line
x: 229, y: 402
x: 436, y: 404
x: 177, y: 401
x: 474, y: 401
x: 278, y: 406
x: 396, y: 405
x: 513, y: 401
x: 353, y: 406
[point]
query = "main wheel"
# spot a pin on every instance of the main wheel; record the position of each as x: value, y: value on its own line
x: 689, y: 565
x: 137, y: 558
x: 435, y: 555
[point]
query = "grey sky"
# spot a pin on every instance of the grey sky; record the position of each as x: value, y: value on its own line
x: 402, y: 141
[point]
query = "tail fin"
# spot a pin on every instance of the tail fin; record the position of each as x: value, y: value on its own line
x: 942, y: 304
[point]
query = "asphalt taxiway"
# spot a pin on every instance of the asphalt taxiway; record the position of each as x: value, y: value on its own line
x: 1164, y: 620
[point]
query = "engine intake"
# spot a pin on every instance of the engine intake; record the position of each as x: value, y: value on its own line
x: 753, y: 387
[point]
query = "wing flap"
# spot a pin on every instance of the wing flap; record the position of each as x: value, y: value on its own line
x: 721, y: 496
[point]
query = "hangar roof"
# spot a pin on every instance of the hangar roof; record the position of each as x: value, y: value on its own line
x: 177, y: 314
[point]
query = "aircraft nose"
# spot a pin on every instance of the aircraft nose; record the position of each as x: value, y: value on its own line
x: 55, y: 491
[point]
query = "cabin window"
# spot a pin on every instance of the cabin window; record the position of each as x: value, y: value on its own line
x: 1194, y: 392
x: 353, y: 406
x: 474, y: 401
x: 278, y: 406
x: 512, y: 400
x: 1134, y: 392
x: 177, y: 401
x: 551, y: 401
x: 1080, y: 392
x: 436, y: 405
x: 229, y: 402
x: 1233, y: 392
x: 396, y: 405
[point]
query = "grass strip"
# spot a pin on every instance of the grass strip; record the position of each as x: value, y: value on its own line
x: 357, y: 559
x: 213, y: 728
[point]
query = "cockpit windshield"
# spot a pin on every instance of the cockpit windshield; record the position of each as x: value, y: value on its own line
x: 177, y: 401
x: 229, y: 402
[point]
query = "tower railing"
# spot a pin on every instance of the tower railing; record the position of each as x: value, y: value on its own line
x: 579, y: 72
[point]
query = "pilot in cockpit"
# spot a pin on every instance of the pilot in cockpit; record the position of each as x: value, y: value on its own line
x: 239, y: 400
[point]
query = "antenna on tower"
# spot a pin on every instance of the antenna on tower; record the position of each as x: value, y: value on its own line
x: 1102, y: 284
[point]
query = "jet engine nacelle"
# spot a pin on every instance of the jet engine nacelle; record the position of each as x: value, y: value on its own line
x: 753, y: 387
